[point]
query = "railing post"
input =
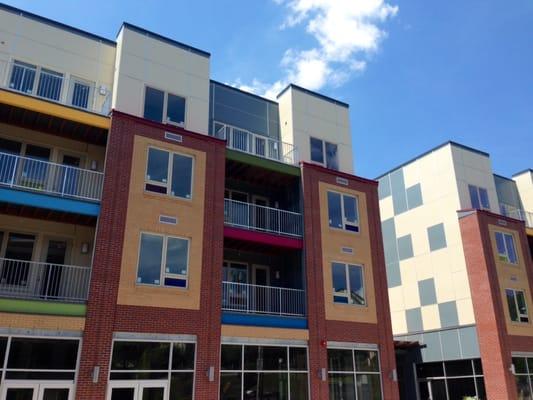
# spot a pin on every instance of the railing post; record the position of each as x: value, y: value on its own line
x: 279, y: 290
x: 14, y: 171
x: 64, y: 181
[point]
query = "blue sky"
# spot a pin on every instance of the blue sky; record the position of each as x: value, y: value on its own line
x: 415, y: 73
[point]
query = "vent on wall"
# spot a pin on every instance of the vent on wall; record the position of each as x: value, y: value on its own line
x: 166, y: 219
x: 173, y: 136
x: 347, y: 250
x: 342, y: 181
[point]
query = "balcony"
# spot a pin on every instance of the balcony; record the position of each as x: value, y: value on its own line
x: 258, y: 299
x: 258, y: 145
x: 43, y: 281
x: 517, y: 213
x: 261, y: 218
x: 50, y: 178
x: 39, y: 82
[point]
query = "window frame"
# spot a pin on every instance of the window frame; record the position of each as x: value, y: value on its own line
x: 324, y: 163
x: 478, y: 191
x: 519, y: 314
x: 168, y: 185
x: 506, y: 255
x: 90, y: 97
x: 37, y: 79
x: 343, y: 213
x: 165, y: 106
x: 347, y: 277
x: 162, y: 273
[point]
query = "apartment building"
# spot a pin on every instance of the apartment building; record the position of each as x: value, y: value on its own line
x: 166, y: 236
x: 458, y: 246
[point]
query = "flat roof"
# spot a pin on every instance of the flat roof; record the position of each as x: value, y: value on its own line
x: 55, y: 24
x: 315, y: 94
x: 449, y: 142
x: 523, y: 172
x: 164, y: 39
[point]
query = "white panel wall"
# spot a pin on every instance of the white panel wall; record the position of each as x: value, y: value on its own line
x: 524, y: 183
x: 146, y: 61
x: 303, y: 115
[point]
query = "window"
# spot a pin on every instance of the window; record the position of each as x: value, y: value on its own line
x: 348, y: 284
x: 163, y: 260
x: 169, y: 173
x: 324, y: 153
x: 263, y: 372
x: 343, y: 211
x: 516, y: 301
x: 523, y: 371
x: 506, y: 248
x: 50, y: 83
x: 479, y: 197
x: 80, y: 93
x: 18, y: 254
x: 164, y: 107
x: 353, y: 371
x: 22, y: 77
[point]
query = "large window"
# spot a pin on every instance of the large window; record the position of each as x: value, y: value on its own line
x: 170, y: 364
x: 348, y: 284
x: 164, y: 107
x: 516, y: 301
x: 479, y: 197
x: 523, y: 370
x: 263, y: 372
x: 324, y: 153
x: 354, y: 374
x: 169, y: 173
x: 163, y: 260
x: 506, y: 248
x: 343, y: 211
x: 25, y: 77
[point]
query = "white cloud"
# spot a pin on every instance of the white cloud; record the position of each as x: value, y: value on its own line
x: 347, y: 32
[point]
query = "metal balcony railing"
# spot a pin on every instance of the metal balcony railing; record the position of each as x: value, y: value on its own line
x: 517, y: 213
x: 44, y: 176
x: 55, y: 86
x: 257, y: 299
x: 261, y: 218
x: 44, y: 281
x: 258, y: 145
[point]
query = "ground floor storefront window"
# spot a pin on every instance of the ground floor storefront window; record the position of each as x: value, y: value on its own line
x: 354, y: 374
x: 37, y: 368
x: 523, y: 369
x: 154, y: 370
x: 263, y: 372
x: 451, y: 380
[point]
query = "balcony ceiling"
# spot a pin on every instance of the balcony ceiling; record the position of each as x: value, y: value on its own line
x: 45, y: 214
x: 254, y: 247
x: 259, y: 176
x: 54, y: 125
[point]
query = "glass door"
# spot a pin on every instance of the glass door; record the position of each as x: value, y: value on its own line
x: 55, y: 391
x: 37, y: 391
x: 70, y: 177
x: 260, y: 215
x: 51, y: 277
x: 20, y: 391
x: 137, y: 390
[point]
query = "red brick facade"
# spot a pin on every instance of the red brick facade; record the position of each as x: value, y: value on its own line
x: 495, y: 343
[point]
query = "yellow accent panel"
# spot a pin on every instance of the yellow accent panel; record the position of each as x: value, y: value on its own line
x: 24, y: 321
x: 264, y: 333
x: 529, y: 231
x: 332, y: 242
x: 56, y: 110
x: 512, y: 276
x: 144, y: 209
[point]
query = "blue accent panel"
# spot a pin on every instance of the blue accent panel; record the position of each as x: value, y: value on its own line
x: 426, y: 290
x: 394, y: 276
x: 49, y: 202
x: 414, y: 196
x: 436, y: 237
x: 405, y: 247
x: 414, y: 319
x: 433, y: 350
x: 390, y: 245
x: 273, y: 321
x: 384, y: 187
x: 451, y: 350
x: 448, y: 314
x: 399, y: 199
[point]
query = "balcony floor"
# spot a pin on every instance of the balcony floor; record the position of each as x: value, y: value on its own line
x: 268, y: 239
x: 272, y: 321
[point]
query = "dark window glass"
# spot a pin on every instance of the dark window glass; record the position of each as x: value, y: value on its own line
x: 231, y: 357
x: 80, y: 95
x: 298, y: 358
x: 266, y: 386
x: 19, y: 394
x: 520, y: 366
x: 153, y: 104
x: 177, y: 256
x: 183, y: 356
x: 460, y: 388
x: 181, y: 385
x: 150, y: 256
x: 340, y: 287
x: 478, y: 368
x: 122, y: 393
x: 317, y: 151
x: 459, y: 368
x: 357, y: 290
x: 45, y: 376
x: 340, y: 360
x: 230, y: 386
x: 350, y: 210
x: 474, y: 198
x: 10, y: 146
x: 484, y: 198
x: 341, y: 386
x: 500, y: 244
x: 22, y: 77
x: 429, y: 370
x: 299, y: 386
x: 332, y: 159
x: 37, y: 152
x: 27, y: 353
x: 366, y: 361
x: 175, y: 109
x: 334, y: 210
x: 530, y: 365
x: 438, y: 389
x: 181, y: 176
x: 513, y: 313
x: 157, y: 168
x: 50, y: 83
x: 3, y: 345
x: 265, y: 358
x: 481, y: 393
x: 521, y: 304
x: 511, y: 251
x: 368, y: 386
x: 55, y: 394
x: 140, y: 356
x: 136, y: 376
x: 19, y: 247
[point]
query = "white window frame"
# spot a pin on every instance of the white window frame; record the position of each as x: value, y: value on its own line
x: 517, y: 308
x: 37, y: 78
x: 324, y: 155
x: 506, y: 255
x: 343, y: 213
x: 481, y: 207
x: 162, y: 273
x: 90, y: 100
x: 165, y: 106
x: 347, y: 277
x: 168, y: 183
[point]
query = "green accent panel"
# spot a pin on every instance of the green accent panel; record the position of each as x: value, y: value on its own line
x: 42, y: 307
x: 262, y: 162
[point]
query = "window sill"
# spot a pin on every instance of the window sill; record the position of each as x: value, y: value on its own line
x: 183, y: 290
x: 168, y: 197
x: 341, y: 230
